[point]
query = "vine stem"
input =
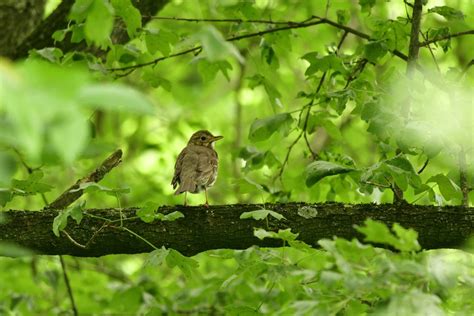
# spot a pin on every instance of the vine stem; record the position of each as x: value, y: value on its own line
x: 68, y: 286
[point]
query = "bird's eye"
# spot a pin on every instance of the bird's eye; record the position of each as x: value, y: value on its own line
x: 203, y: 138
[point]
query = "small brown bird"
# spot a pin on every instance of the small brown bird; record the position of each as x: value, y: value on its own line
x: 196, y: 167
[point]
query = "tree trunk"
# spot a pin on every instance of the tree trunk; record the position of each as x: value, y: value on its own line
x: 25, y: 31
x: 219, y: 227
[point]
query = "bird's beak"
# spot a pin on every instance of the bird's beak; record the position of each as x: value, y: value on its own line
x: 216, y: 138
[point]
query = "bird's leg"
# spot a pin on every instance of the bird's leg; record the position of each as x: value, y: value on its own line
x: 207, y: 202
x: 185, y: 198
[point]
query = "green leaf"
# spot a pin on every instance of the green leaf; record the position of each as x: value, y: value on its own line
x: 187, y: 265
x: 130, y: 14
x: 343, y: 16
x: 76, y: 212
x: 156, y: 257
x: 5, y: 196
x: 273, y: 94
x: 405, y: 239
x: 262, y: 129
x: 447, y: 187
x: 323, y: 64
x: 31, y: 185
x: 99, y: 22
x: 319, y: 169
x: 378, y: 232
x: 373, y: 51
x: 147, y: 212
x: 160, y: 40
x: 449, y: 13
x: 155, y: 80
x: 283, y: 234
x: 60, y: 221
x: 214, y: 45
x: 80, y: 9
x: 367, y: 5
x: 261, y: 214
x: 71, y: 135
x: 169, y: 217
x: 208, y: 70
x: 115, y: 97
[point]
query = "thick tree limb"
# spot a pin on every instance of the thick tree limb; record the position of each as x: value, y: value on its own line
x: 220, y: 227
x: 73, y: 193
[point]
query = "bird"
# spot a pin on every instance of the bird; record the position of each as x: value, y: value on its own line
x: 196, y: 166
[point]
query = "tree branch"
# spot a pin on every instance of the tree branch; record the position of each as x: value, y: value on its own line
x: 445, y: 37
x: 72, y: 193
x: 290, y: 25
x: 220, y: 227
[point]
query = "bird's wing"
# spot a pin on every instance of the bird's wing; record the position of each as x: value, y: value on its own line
x: 207, y: 167
x: 185, y: 170
x: 177, y: 168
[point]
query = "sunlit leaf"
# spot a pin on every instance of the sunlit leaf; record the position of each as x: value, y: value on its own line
x: 187, y: 265
x: 130, y: 14
x: 261, y: 214
x: 215, y: 46
x: 99, y: 22
x: 319, y: 169
x: 448, y: 12
x: 262, y: 129
x: 115, y: 97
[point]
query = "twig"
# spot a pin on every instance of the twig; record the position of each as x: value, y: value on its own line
x: 72, y: 239
x: 68, y: 197
x: 224, y: 20
x: 424, y: 166
x: 136, y: 235
x: 285, y: 161
x: 386, y: 186
x: 321, y: 81
x: 30, y: 170
x: 444, y: 37
x: 288, y: 25
x: 431, y: 52
x: 68, y: 286
x: 105, y: 224
x: 466, y: 68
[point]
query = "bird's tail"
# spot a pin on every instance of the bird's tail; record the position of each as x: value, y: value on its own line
x: 186, y: 186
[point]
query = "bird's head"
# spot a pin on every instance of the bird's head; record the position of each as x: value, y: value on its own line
x: 204, y: 138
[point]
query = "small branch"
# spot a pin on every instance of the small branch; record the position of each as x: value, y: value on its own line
x: 466, y: 68
x: 288, y: 25
x: 424, y: 166
x: 68, y: 286
x: 225, y: 20
x: 285, y: 161
x: 68, y: 197
x: 72, y: 240
x: 431, y: 53
x: 445, y: 37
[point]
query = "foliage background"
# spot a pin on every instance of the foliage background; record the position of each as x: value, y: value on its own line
x: 65, y: 112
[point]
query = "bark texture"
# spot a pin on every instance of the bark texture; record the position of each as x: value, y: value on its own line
x: 219, y: 227
x: 26, y: 30
x: 18, y: 18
